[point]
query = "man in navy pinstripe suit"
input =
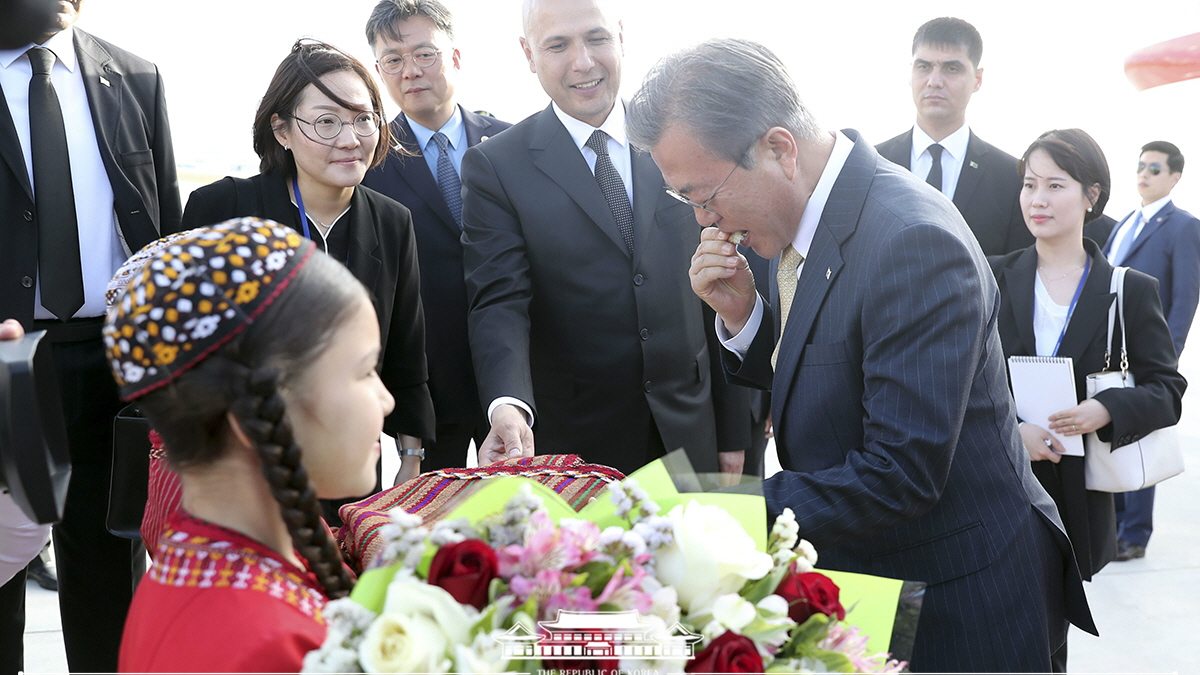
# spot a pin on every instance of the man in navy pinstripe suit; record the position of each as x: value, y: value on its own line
x: 892, y: 414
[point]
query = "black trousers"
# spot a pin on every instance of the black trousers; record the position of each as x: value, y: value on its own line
x: 97, y: 571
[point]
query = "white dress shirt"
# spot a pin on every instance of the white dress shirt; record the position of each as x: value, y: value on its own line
x: 1127, y: 230
x: 1049, y: 318
x: 99, y: 241
x: 954, y: 153
x: 739, y: 344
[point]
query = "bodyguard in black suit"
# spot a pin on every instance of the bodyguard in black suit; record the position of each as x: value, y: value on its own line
x: 981, y: 179
x: 895, y: 431
x: 124, y: 194
x: 400, y: 32
x: 576, y: 260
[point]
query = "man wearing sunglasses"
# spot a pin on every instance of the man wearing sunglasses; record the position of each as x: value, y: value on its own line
x: 417, y: 61
x: 1163, y: 241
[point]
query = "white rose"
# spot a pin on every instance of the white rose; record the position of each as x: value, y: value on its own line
x: 417, y: 631
x: 404, y: 644
x: 712, y: 555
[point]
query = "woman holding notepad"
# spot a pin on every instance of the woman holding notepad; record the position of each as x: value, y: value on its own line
x: 1055, y: 297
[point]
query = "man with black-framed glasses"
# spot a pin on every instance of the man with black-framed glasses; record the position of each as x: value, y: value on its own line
x: 418, y: 62
x: 1162, y: 240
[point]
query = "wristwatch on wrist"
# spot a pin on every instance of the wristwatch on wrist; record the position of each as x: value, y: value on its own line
x: 419, y: 453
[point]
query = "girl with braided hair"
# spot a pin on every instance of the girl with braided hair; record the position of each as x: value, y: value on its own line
x: 255, y: 357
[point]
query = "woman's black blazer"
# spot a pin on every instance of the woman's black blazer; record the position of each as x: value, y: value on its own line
x: 1154, y: 403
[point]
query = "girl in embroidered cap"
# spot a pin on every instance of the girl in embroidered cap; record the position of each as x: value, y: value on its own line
x: 317, y: 131
x: 254, y: 356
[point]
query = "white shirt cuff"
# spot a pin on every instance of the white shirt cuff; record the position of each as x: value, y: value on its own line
x: 509, y: 400
x: 740, y: 344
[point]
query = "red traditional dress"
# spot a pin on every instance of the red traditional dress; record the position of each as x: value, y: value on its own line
x: 217, y: 601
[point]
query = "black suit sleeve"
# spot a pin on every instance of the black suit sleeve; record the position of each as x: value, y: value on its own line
x: 731, y: 402
x: 498, y: 284
x: 1156, y: 401
x: 164, y: 165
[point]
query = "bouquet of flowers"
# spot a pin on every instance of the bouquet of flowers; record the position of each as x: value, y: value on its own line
x: 616, y: 588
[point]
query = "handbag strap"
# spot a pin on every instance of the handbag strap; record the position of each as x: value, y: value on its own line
x: 1117, y: 285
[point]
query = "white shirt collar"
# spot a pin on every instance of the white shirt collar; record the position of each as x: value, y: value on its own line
x: 61, y: 43
x: 1152, y: 209
x: 955, y: 144
x: 453, y: 129
x: 580, y: 131
x: 842, y: 145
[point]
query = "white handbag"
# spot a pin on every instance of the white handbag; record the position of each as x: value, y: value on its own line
x: 1153, y: 458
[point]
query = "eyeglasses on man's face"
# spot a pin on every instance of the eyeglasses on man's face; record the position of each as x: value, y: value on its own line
x: 329, y: 126
x: 702, y: 206
x: 1154, y: 168
x: 394, y: 63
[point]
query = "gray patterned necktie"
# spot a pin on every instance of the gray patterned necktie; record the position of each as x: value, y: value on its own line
x: 613, y: 187
x: 447, y: 178
x: 1127, y: 242
x: 60, y: 272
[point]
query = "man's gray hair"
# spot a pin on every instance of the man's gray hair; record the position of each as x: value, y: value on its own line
x: 727, y: 92
x: 388, y: 13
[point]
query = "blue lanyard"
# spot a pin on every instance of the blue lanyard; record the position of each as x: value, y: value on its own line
x: 300, y: 205
x: 1075, y: 300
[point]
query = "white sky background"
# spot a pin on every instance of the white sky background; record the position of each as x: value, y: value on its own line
x: 1056, y: 63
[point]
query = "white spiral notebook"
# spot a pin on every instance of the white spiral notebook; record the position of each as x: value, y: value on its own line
x: 1042, y: 386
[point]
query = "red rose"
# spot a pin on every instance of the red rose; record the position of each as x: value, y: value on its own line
x: 729, y: 653
x: 465, y: 570
x: 808, y: 594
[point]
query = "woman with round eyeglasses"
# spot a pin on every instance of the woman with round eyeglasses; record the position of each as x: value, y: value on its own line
x: 317, y: 130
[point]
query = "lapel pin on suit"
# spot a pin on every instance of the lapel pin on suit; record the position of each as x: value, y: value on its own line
x: 828, y: 273
x: 974, y: 165
x: 105, y: 82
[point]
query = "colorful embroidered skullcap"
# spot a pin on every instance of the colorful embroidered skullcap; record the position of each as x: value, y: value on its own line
x: 132, y: 267
x: 194, y: 294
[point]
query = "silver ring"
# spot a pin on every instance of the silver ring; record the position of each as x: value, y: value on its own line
x: 1074, y: 427
x: 1049, y: 443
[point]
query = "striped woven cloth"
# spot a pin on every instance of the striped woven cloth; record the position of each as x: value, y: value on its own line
x: 431, y: 496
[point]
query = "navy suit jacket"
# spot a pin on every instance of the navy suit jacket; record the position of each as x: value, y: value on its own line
x: 608, y: 348
x: 893, y: 420
x: 987, y: 194
x: 408, y: 180
x: 129, y: 112
x: 1168, y: 249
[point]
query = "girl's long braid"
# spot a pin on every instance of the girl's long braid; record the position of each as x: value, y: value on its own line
x: 261, y: 412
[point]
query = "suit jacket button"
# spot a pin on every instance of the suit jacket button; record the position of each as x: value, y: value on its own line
x: 645, y: 334
x: 28, y: 215
x: 638, y: 279
x: 647, y: 385
x: 27, y: 282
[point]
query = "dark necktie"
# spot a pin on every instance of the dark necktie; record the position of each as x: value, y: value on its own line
x: 613, y: 187
x: 448, y: 179
x: 935, y: 172
x: 59, y: 269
